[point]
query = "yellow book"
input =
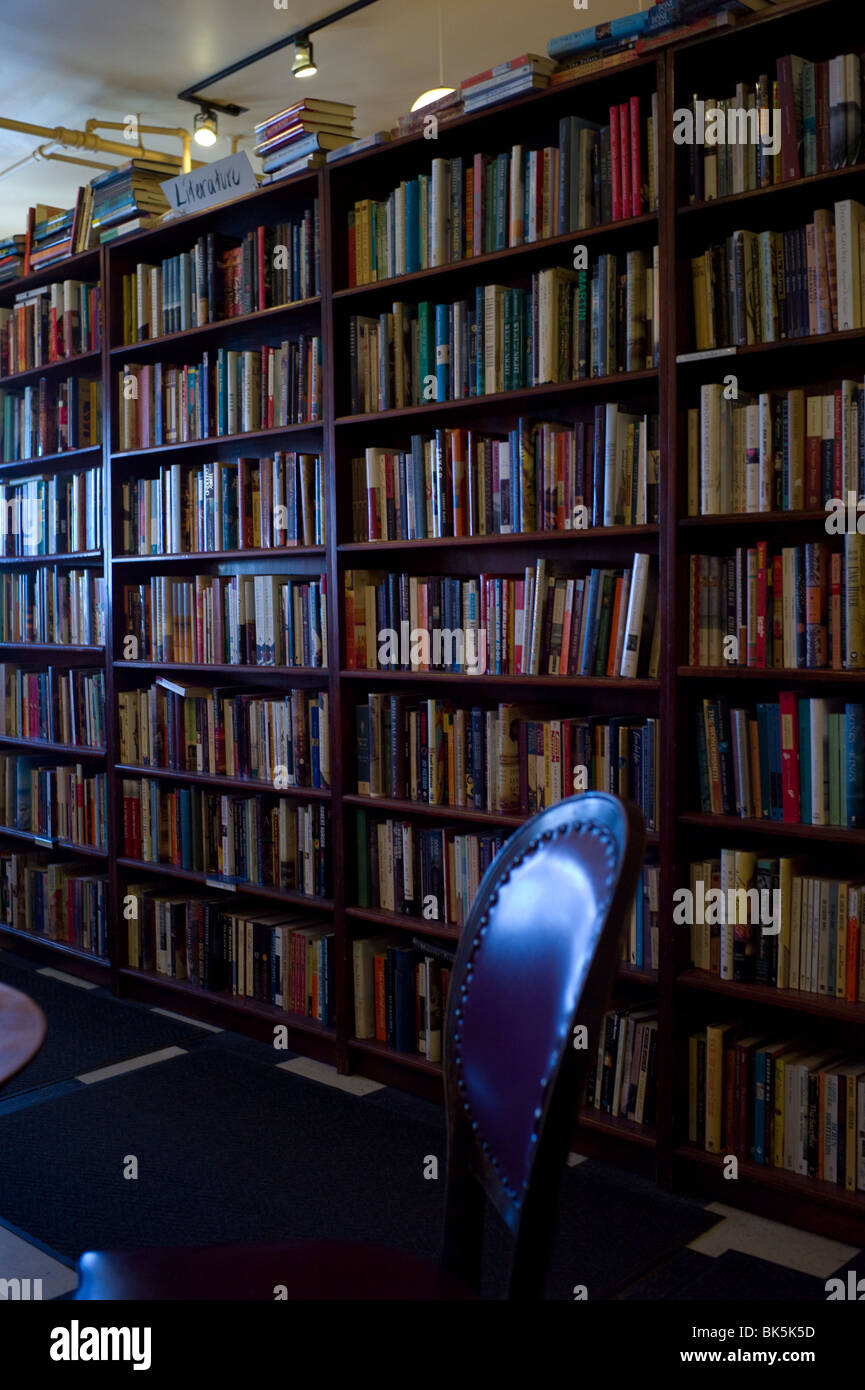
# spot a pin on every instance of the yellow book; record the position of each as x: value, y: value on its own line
x: 718, y: 1037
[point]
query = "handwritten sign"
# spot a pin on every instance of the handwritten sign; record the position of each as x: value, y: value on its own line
x: 211, y: 184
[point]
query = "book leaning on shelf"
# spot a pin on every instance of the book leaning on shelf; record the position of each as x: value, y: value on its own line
x: 797, y: 760
x: 570, y: 325
x: 50, y: 418
x: 233, y: 839
x: 61, y: 901
x: 246, y: 504
x: 540, y: 476
x: 51, y: 514
x: 47, y: 604
x: 541, y: 623
x: 465, y: 207
x: 239, y: 620
x: 49, y: 323
x: 790, y: 450
x: 761, y: 287
x: 54, y: 802
x: 814, y: 942
x: 232, y: 392
x: 222, y: 277
x: 783, y: 1102
x: 506, y: 760
x: 56, y: 704
x: 794, y: 607
x: 227, y: 732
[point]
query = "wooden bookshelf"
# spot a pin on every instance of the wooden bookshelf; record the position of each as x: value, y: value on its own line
x: 686, y: 998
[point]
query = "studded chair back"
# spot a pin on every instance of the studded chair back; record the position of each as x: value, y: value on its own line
x: 535, y: 966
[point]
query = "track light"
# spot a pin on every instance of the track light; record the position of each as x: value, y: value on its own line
x: 303, y: 64
x: 204, y: 127
x: 432, y: 95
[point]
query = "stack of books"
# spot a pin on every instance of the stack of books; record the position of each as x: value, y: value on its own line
x: 300, y: 136
x: 11, y: 258
x: 52, y: 237
x: 524, y: 74
x: 130, y: 197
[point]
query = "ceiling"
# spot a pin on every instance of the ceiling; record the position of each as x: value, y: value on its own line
x: 62, y: 62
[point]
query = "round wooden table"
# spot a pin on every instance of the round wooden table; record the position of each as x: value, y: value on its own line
x: 22, y: 1031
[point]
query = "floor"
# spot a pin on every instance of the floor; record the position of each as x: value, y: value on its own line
x: 680, y: 1249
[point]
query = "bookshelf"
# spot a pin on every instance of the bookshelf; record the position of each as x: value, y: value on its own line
x: 686, y: 998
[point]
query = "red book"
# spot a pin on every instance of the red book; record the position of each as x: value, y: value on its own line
x: 478, y: 204
x: 813, y: 446
x: 789, y: 142
x: 821, y: 101
x: 624, y: 156
x: 502, y: 68
x: 615, y: 168
x: 762, y: 604
x: 851, y: 992
x: 259, y: 263
x: 636, y: 160
x: 790, y: 796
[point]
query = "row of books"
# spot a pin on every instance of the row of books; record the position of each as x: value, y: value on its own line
x: 764, y: 920
x: 52, y: 514
x: 803, y: 118
x: 796, y: 760
x: 795, y: 606
x: 50, y: 417
x: 542, y: 476
x: 58, y: 704
x: 507, y: 760
x: 570, y: 325
x: 545, y: 623
x: 283, y: 739
x: 246, y: 504
x: 48, y: 604
x: 238, y: 620
x: 61, y: 901
x: 594, y: 175
x: 233, y: 839
x: 760, y: 287
x: 623, y: 1077
x: 778, y: 451
x: 786, y: 1103
x: 49, y: 323
x: 238, y: 392
x: 400, y: 993
x: 277, y: 958
x: 53, y: 801
x: 430, y: 874
x: 222, y: 277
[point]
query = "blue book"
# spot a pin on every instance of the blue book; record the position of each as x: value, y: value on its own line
x: 629, y: 26
x: 443, y: 352
x: 854, y: 724
x: 412, y: 227
x: 185, y: 829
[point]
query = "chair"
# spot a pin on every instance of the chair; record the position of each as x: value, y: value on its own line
x: 536, y: 958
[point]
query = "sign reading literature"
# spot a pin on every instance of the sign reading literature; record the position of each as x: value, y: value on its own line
x: 210, y: 185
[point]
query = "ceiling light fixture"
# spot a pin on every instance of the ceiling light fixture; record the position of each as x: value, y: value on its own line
x: 441, y: 90
x: 204, y: 127
x: 303, y: 63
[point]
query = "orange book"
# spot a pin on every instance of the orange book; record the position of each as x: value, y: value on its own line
x: 614, y: 625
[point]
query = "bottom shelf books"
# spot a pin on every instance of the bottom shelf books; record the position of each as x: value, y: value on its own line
x: 622, y: 1079
x: 787, y: 1103
x: 57, y: 802
x: 276, y: 958
x: 60, y: 901
x: 400, y: 993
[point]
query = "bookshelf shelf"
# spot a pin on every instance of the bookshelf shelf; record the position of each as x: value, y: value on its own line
x: 253, y: 1008
x: 406, y: 1059
x: 523, y: 257
x: 65, y: 366
x: 58, y: 460
x: 794, y: 830
x: 212, y: 780
x: 527, y: 398
x: 203, y: 557
x: 601, y: 534
x: 219, y: 441
x: 793, y: 675
x: 53, y: 842
x: 754, y: 519
x: 461, y: 813
x: 75, y: 557
x: 501, y: 682
x: 239, y: 323
x: 43, y: 746
x: 777, y: 192
x: 239, y: 890
x: 618, y: 1126
x: 38, y: 650
x: 798, y: 1001
x: 16, y: 936
x: 303, y: 673
x: 83, y: 266
x: 398, y: 921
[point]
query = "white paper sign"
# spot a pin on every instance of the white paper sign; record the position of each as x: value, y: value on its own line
x: 211, y: 184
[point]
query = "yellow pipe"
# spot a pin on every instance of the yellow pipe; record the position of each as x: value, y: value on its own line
x: 177, y: 132
x: 41, y: 153
x: 85, y: 139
